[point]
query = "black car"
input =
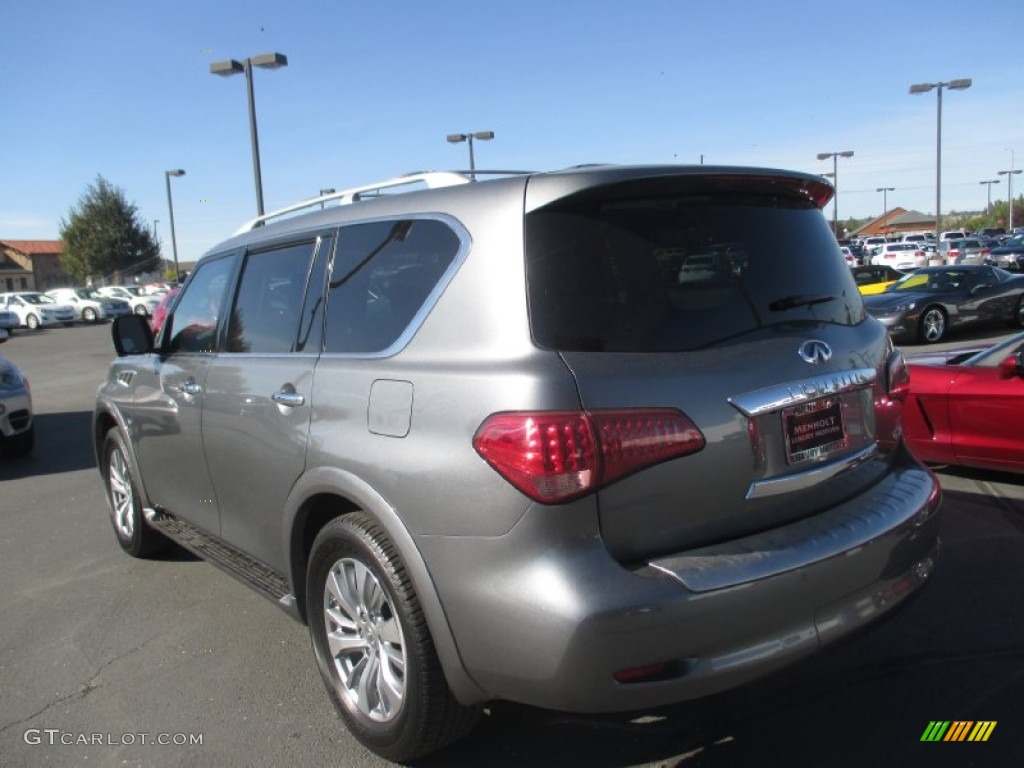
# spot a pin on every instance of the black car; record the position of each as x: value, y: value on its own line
x: 927, y: 303
x: 1010, y: 255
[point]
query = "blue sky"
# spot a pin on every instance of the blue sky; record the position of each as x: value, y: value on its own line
x: 123, y: 89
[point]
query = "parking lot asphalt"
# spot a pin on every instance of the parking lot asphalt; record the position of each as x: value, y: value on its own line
x: 96, y: 645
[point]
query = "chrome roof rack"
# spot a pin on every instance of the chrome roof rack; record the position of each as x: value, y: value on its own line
x: 430, y: 179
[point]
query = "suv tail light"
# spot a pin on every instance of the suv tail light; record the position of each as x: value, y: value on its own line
x: 555, y: 456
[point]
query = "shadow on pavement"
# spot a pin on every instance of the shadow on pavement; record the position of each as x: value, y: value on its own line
x: 63, y: 444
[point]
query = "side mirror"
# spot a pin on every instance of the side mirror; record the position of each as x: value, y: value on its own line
x: 132, y: 335
x: 1013, y: 366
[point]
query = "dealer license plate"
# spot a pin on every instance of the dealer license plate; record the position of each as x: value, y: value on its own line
x: 814, y: 429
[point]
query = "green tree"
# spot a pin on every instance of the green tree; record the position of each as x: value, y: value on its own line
x: 104, y: 235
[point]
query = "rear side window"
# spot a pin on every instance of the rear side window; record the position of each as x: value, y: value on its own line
x: 675, y: 273
x: 382, y: 276
x: 265, y: 317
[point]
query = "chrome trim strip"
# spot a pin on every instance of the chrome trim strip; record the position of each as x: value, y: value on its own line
x: 778, y: 396
x: 760, y: 489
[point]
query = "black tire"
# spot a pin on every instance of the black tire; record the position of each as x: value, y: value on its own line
x: 933, y: 325
x: 19, y: 445
x: 89, y: 315
x: 391, y: 629
x: 32, y: 322
x: 130, y: 526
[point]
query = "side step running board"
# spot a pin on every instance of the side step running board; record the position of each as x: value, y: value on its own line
x: 270, y: 583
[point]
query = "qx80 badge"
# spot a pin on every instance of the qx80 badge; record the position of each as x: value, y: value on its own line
x: 815, y: 351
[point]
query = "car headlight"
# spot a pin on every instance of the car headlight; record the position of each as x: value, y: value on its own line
x: 906, y: 307
x: 11, y: 380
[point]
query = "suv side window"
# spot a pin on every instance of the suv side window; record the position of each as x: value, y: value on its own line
x: 265, y: 316
x: 382, y: 275
x: 194, y: 325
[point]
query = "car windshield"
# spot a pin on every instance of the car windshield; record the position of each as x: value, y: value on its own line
x: 1016, y: 241
x: 86, y: 293
x: 943, y: 281
x: 36, y: 298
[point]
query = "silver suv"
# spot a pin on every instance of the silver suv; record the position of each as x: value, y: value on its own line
x: 484, y: 442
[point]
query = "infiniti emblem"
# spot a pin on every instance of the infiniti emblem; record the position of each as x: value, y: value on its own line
x: 815, y: 351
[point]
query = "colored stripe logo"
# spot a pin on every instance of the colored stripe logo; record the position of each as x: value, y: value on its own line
x: 958, y: 730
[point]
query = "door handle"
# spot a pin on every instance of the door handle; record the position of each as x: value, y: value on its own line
x: 190, y: 387
x: 290, y: 399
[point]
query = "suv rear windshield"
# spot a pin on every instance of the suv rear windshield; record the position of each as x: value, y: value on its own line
x: 671, y: 273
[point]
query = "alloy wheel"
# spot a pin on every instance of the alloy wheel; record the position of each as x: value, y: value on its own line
x: 365, y: 641
x: 121, y: 497
x: 933, y: 325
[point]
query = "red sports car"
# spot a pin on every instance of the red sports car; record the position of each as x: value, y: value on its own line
x: 160, y: 312
x: 967, y: 406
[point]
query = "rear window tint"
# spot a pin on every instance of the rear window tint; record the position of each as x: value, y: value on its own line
x: 676, y: 273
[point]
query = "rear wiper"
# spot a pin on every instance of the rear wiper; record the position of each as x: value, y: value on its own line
x: 790, y: 302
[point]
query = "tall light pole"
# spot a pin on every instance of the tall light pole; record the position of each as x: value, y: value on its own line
x: 1009, y: 188
x: 835, y: 184
x: 230, y: 67
x: 885, y: 199
x: 956, y: 85
x: 990, y: 182
x: 455, y: 138
x: 170, y: 208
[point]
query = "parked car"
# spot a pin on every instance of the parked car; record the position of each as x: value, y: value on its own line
x: 8, y: 320
x: 1010, y: 255
x: 925, y: 305
x: 952, y: 234
x: 140, y: 303
x: 17, y: 430
x: 89, y: 306
x: 871, y: 279
x: 488, y: 447
x: 848, y: 256
x: 35, y: 310
x: 915, y: 237
x: 963, y: 251
x: 991, y: 232
x: 900, y: 256
x: 156, y: 319
x: 967, y: 406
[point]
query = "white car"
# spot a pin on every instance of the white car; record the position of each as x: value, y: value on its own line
x: 36, y: 309
x: 901, y: 256
x: 17, y: 432
x: 851, y: 260
x: 89, y: 306
x: 141, y: 305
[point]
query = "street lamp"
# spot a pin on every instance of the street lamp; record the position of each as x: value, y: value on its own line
x: 885, y: 199
x: 1009, y: 189
x: 230, y: 67
x: 326, y: 191
x: 455, y: 138
x: 990, y: 182
x: 956, y: 85
x: 835, y: 184
x: 170, y: 208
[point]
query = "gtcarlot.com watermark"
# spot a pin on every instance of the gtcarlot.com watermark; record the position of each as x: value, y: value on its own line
x: 57, y: 737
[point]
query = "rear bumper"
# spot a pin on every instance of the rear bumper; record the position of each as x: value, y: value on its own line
x: 550, y: 624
